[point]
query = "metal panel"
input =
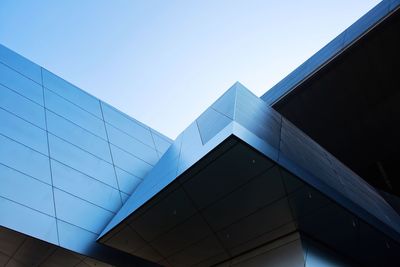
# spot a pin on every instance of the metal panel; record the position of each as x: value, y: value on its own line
x: 22, y: 107
x: 21, y: 84
x: 74, y: 113
x: 82, y: 161
x: 71, y: 93
x: 24, y: 159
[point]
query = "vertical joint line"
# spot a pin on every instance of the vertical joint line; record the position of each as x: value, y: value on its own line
x: 111, y: 155
x: 48, y: 151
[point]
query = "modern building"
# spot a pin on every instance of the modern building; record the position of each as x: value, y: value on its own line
x: 306, y: 175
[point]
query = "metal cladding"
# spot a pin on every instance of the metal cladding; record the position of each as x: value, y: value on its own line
x: 82, y: 184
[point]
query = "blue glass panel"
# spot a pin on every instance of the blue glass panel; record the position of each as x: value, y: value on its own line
x: 28, y: 221
x: 23, y: 132
x: 75, y: 238
x: 19, y: 187
x: 78, y: 136
x: 20, y: 64
x: 80, y: 213
x: 129, y: 163
x: 124, y: 197
x: 126, y: 181
x: 71, y: 93
x: 74, y: 113
x: 22, y: 107
x: 127, y: 124
x: 161, y: 142
x: 132, y: 145
x: 21, y: 84
x: 85, y: 187
x: 226, y: 103
x: 82, y: 161
x: 24, y: 159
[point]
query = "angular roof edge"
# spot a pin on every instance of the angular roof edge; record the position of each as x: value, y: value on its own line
x: 330, y: 51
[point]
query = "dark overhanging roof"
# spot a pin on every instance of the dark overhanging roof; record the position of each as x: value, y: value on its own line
x: 240, y: 120
x: 330, y: 51
x: 346, y: 98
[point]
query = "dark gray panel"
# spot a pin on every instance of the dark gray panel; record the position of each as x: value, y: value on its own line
x: 163, y: 216
x: 10, y: 241
x: 22, y: 107
x: 23, y: 132
x: 197, y: 253
x: 126, y: 240
x: 252, y: 196
x: 266, y: 219
x: 74, y: 113
x: 79, y: 212
x: 82, y: 161
x: 182, y: 236
x: 78, y: 136
x: 62, y: 258
x: 85, y: 187
x: 19, y: 83
x: 33, y: 252
x: 19, y: 187
x: 223, y: 175
x: 71, y: 93
x: 24, y: 159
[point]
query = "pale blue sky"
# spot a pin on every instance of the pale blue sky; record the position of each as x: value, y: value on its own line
x: 164, y: 62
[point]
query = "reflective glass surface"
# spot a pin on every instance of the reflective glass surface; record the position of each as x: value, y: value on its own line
x: 21, y: 84
x: 82, y: 160
x: 24, y: 159
x: 74, y: 113
x: 23, y: 132
x: 71, y: 93
x: 22, y: 107
x: 20, y: 64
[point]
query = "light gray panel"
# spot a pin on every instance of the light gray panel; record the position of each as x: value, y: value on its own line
x: 74, y: 113
x: 24, y: 159
x: 130, y: 163
x: 80, y: 213
x: 132, y: 145
x: 20, y: 64
x: 127, y: 124
x: 82, y: 161
x: 19, y: 83
x: 85, y: 187
x: 71, y: 93
x: 26, y: 190
x: 78, y: 136
x: 23, y: 132
x: 28, y: 221
x: 22, y: 107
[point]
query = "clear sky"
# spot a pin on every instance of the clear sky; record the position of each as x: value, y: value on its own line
x: 164, y: 62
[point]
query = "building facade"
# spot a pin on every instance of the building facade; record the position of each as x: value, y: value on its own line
x: 306, y: 175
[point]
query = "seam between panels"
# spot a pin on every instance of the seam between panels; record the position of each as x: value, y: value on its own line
x: 111, y: 155
x: 48, y: 151
x: 154, y: 143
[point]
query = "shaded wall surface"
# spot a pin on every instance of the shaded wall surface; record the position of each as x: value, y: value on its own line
x: 68, y: 161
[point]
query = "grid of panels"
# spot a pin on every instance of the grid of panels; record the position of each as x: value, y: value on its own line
x: 67, y: 161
